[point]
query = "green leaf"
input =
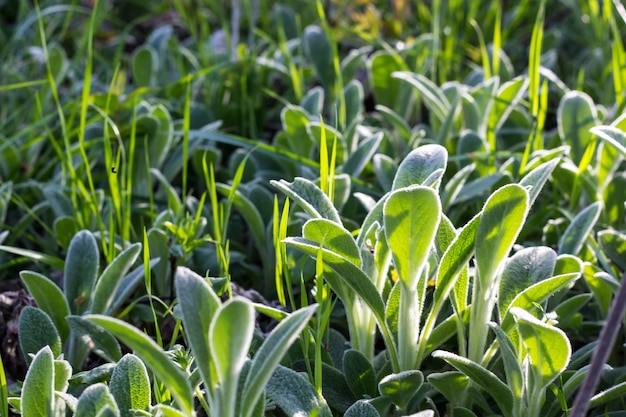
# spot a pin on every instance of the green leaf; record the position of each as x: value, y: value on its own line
x: 401, y: 387
x: 130, y: 385
x: 153, y: 356
x: 318, y: 50
x: 96, y: 338
x: 49, y: 298
x: 385, y: 169
x: 100, y: 373
x: 449, y: 384
x: 294, y: 395
x: 502, y: 219
x: 335, y: 391
x: 523, y: 269
x: 454, y: 186
x: 536, y: 294
x: 110, y: 279
x: 613, y: 136
x: 537, y: 178
x: 62, y: 374
x: 37, y: 330
x: 613, y: 244
x: 578, y: 230
x: 387, y: 90
x: 394, y: 119
x: 432, y: 95
x: 484, y: 378
x: 38, y: 389
x: 333, y: 237
x: 359, y: 374
x: 270, y: 354
x: 64, y: 229
x: 602, y: 290
x: 145, y: 65
x: 108, y: 411
x: 230, y: 335
x: 309, y: 196
x: 548, y: 347
x: 392, y: 310
x: 476, y: 188
x: 455, y: 258
x: 576, y: 115
x: 81, y: 271
x: 361, y: 408
x: 514, y: 374
x: 411, y: 218
x: 198, y: 303
x: 294, y: 121
x: 312, y: 103
x: 353, y: 93
x: 94, y: 400
x: 616, y: 392
x: 374, y: 215
x: 419, y: 164
x: 358, y: 159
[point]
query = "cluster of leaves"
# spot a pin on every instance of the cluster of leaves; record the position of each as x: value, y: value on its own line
x: 435, y: 213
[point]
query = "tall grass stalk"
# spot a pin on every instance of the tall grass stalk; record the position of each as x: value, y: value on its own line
x: 436, y: 29
x: 323, y: 299
x: 535, y: 141
x: 340, y: 121
x: 186, y: 121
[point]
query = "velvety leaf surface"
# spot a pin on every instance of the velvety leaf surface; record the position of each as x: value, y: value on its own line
x: 334, y: 237
x: 548, y: 347
x: 110, y: 279
x: 81, y: 271
x: 401, y: 387
x: 486, y: 379
x: 359, y: 374
x: 270, y: 354
x: 198, y: 303
x: 503, y: 216
x: 94, y: 400
x: 49, y: 298
x: 36, y: 330
x: 294, y: 395
x: 419, y: 164
x: 523, y: 269
x: 576, y: 233
x: 38, y: 388
x: 309, y: 196
x: 411, y: 217
x: 130, y: 385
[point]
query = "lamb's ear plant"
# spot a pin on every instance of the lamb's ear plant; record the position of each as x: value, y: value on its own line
x: 500, y: 222
x: 358, y: 267
x: 220, y: 337
x: 537, y: 355
x: 85, y: 289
